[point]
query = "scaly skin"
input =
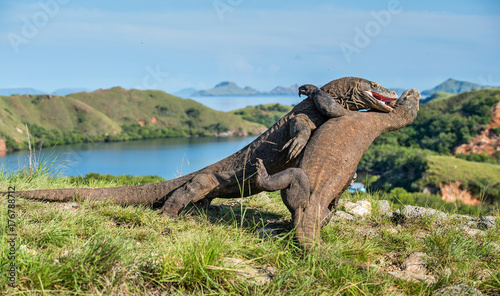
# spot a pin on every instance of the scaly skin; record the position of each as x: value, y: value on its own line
x: 233, y: 176
x: 329, y: 161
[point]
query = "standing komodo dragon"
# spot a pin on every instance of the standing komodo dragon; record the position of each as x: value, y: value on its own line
x: 224, y: 179
x: 325, y: 169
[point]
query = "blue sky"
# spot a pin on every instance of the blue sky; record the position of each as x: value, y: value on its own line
x: 171, y: 45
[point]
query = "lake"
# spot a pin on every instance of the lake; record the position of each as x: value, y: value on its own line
x: 168, y: 158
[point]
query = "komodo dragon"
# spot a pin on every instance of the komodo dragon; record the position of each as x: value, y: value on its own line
x: 325, y: 169
x: 224, y: 179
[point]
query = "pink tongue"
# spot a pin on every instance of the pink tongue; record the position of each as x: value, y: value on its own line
x: 382, y: 98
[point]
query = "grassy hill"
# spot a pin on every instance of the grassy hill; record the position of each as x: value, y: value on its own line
x: 264, y: 114
x: 420, y: 154
x: 446, y: 123
x: 111, y: 115
x: 453, y: 86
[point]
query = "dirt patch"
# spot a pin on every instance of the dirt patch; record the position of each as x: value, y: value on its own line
x: 3, y: 146
x: 452, y: 192
x: 487, y: 141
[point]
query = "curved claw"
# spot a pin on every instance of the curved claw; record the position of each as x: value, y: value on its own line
x: 261, y: 171
x: 295, y: 145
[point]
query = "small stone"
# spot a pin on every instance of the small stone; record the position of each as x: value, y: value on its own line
x: 415, y: 262
x: 392, y: 231
x: 494, y: 246
x: 413, y: 269
x: 488, y: 222
x: 359, y: 209
x: 383, y: 206
x: 413, y: 277
x: 257, y: 276
x: 462, y: 290
x: 463, y: 217
x: 471, y: 231
x: 414, y: 212
x: 341, y: 215
x: 66, y: 206
x: 366, y: 232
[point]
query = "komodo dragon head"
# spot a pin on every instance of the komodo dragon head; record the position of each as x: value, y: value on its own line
x: 357, y: 94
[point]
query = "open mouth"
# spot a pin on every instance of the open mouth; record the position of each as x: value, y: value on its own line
x: 382, y: 98
x: 383, y: 102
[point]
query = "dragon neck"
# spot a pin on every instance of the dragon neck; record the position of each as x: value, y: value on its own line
x: 348, y: 95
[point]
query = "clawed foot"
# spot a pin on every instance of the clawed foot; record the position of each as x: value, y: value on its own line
x: 408, y: 97
x: 261, y: 170
x: 307, y: 89
x: 296, y: 145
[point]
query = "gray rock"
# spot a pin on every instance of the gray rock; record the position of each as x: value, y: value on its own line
x: 471, y: 231
x: 360, y: 208
x: 383, y: 206
x: 67, y: 206
x: 413, y: 212
x: 462, y: 290
x: 341, y: 215
x: 256, y: 276
x: 413, y: 269
x: 483, y: 223
x: 462, y: 217
x: 366, y: 232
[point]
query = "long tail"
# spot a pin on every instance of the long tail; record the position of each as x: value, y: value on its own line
x: 147, y: 194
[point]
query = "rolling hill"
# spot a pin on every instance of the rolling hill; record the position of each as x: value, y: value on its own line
x: 111, y: 115
x: 453, y: 86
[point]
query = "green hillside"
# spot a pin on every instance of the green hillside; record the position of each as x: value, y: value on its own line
x: 444, y: 124
x: 482, y: 179
x: 112, y: 115
x: 420, y: 155
x: 435, y: 96
x: 264, y: 114
x: 453, y: 86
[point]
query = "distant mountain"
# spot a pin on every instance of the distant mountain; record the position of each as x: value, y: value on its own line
x: 186, y: 92
x: 453, y: 86
x: 32, y: 91
x: 68, y: 91
x: 227, y: 88
x: 21, y: 91
x: 280, y: 90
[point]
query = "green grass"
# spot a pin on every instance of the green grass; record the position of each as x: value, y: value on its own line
x: 105, y: 249
x: 482, y: 179
x: 264, y: 114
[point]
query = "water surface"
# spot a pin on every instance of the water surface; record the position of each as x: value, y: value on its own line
x: 168, y: 158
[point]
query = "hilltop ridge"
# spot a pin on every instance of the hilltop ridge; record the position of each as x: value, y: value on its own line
x: 112, y: 115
